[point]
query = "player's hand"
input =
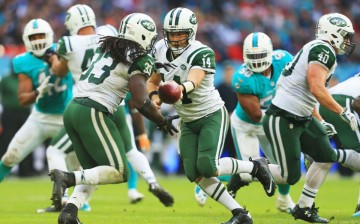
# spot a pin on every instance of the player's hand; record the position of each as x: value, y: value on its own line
x: 143, y: 142
x: 156, y: 100
x: 167, y: 127
x: 44, y: 87
x: 48, y: 53
x: 329, y: 128
x: 349, y: 118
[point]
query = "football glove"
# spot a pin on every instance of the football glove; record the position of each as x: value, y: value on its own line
x: 167, y: 127
x: 329, y: 128
x: 349, y: 118
x: 44, y: 87
x: 48, y: 53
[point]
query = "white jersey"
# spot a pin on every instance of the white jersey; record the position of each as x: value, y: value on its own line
x: 349, y: 87
x: 292, y: 93
x: 78, y: 50
x: 106, y: 81
x: 205, y: 99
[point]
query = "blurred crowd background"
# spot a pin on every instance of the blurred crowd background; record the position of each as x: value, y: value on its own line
x: 223, y: 25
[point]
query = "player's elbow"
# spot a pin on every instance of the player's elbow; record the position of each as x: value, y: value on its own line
x: 256, y: 117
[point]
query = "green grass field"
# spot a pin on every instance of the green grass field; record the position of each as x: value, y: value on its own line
x: 21, y: 197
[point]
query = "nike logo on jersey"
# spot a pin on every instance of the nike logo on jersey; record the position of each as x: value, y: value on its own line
x: 205, y: 55
x: 327, y: 52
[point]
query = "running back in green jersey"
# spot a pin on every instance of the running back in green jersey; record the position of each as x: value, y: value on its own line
x: 56, y: 99
x: 205, y: 99
x: 247, y: 82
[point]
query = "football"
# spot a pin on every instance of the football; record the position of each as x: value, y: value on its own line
x: 169, y: 92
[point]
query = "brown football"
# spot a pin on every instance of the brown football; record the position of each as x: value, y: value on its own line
x: 169, y: 92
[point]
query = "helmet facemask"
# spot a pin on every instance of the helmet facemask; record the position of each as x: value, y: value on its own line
x: 258, y: 52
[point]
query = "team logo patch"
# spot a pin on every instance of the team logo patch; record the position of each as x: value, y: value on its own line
x: 193, y: 19
x: 148, y: 25
x: 68, y: 15
x: 183, y: 67
x: 337, y: 21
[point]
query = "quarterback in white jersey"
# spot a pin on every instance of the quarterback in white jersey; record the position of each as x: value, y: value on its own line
x: 290, y: 123
x: 204, y: 119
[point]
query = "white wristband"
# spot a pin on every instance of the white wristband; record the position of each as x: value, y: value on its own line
x: 189, y: 86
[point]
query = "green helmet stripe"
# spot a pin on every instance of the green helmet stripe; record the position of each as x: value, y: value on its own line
x: 87, y: 15
x: 82, y: 18
x: 177, y: 18
x: 171, y: 16
x: 123, y: 24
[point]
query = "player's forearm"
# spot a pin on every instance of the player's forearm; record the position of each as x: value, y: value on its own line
x: 138, y: 121
x: 58, y: 68
x: 25, y: 99
x: 325, y: 99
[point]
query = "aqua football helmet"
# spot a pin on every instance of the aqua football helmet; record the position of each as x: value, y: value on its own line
x: 39, y: 46
x: 257, y: 51
x: 338, y: 30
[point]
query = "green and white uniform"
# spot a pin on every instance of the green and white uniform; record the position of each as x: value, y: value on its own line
x: 344, y: 93
x: 289, y: 124
x: 204, y: 119
x: 89, y: 118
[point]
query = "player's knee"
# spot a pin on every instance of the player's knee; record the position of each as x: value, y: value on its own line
x: 293, y: 178
x: 12, y: 156
x: 205, y: 167
x: 190, y: 171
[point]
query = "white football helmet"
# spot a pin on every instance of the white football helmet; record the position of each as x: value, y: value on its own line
x: 180, y: 20
x: 338, y: 30
x: 257, y: 51
x: 38, y: 26
x: 79, y: 16
x: 107, y: 30
x: 139, y: 28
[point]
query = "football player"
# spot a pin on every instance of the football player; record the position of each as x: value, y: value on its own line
x: 254, y: 83
x: 76, y: 52
x: 39, y: 86
x: 204, y: 119
x: 121, y: 64
x: 289, y: 123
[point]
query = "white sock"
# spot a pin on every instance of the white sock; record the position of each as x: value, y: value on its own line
x: 141, y: 165
x: 275, y: 171
x: 315, y: 176
x: 230, y: 166
x: 217, y: 191
x: 98, y: 175
x: 349, y: 158
x: 56, y: 159
x: 81, y: 194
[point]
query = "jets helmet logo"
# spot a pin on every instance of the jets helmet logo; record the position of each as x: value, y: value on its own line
x: 337, y: 21
x: 193, y: 19
x: 148, y: 25
x: 68, y: 15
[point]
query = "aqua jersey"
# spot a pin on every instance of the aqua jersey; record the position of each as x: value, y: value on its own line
x: 247, y: 82
x: 55, y: 101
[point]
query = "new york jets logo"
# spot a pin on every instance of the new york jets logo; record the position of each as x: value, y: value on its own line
x: 193, y: 19
x: 148, y: 25
x: 68, y: 15
x: 337, y: 21
x: 183, y: 67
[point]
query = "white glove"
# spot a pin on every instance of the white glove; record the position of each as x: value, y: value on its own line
x: 44, y: 87
x: 349, y: 118
x: 329, y: 128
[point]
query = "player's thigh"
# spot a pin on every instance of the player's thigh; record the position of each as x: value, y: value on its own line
x: 30, y: 135
x: 211, y: 141
x: 123, y: 128
x: 315, y: 143
x: 349, y: 139
x: 62, y: 142
x: 284, y: 137
x: 188, y: 143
